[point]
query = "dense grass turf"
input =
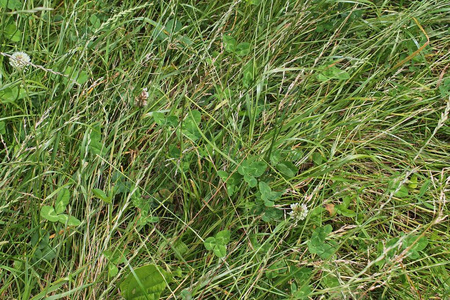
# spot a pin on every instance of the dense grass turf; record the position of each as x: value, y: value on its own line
x: 178, y: 136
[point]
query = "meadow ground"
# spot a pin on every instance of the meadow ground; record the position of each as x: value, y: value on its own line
x: 224, y: 149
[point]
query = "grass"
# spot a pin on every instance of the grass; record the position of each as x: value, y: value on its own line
x: 252, y: 106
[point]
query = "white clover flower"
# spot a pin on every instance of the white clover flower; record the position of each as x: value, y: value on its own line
x: 19, y: 60
x: 144, y: 94
x: 141, y: 100
x: 298, y: 211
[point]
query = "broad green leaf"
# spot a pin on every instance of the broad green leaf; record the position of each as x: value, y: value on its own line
x: 95, y: 143
x: 147, y: 282
x: 303, y: 292
x: 101, y: 195
x: 265, y: 190
x: 402, y: 192
x: 252, y: 182
x: 346, y: 201
x: 62, y: 200
x: 152, y: 219
x: 231, y: 189
x: 196, y: 116
x: 222, y: 174
x: 276, y: 156
x: 267, y: 195
x: 186, y: 40
x: 390, y: 244
x: 252, y: 168
x: 11, y: 94
x: 413, y: 182
x: 243, y: 49
x: 174, y: 151
x: 326, y: 73
x: 180, y: 248
x: 301, y: 275
x: 322, y: 77
x: 73, y: 221
x: 210, y: 243
x: 317, y: 158
x: 11, y: 4
x: 318, y: 245
x: 172, y: 121
x: 95, y: 21
x: 159, y: 32
x: 424, y: 187
x: 276, y: 269
x: 322, y: 232
x: 249, y: 74
x: 63, y: 218
x: 229, y: 43
x: 418, y: 244
x: 173, y: 26
x: 186, y: 294
x: 12, y: 33
x: 329, y: 280
x: 324, y: 251
x: 112, y: 270
x: 260, y: 168
x: 444, y: 88
x: 48, y: 213
x: 223, y: 237
x: 345, y: 211
x: 287, y: 169
x: 68, y: 220
x: 76, y: 75
x: 2, y: 127
x: 272, y: 214
x: 159, y: 118
x: 339, y: 74
x: 191, y: 124
x: 254, y: 2
x: 82, y: 77
x: 218, y: 243
x: 220, y: 250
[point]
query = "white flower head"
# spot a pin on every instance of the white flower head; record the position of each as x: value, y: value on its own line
x: 298, y: 211
x: 144, y: 94
x: 19, y: 60
x: 141, y: 100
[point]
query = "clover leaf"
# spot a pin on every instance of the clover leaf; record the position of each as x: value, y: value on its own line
x: 55, y: 214
x: 417, y: 244
x: 147, y: 282
x: 48, y: 212
x: 267, y: 195
x: 62, y: 200
x: 251, y: 170
x: 317, y: 244
x: 218, y: 243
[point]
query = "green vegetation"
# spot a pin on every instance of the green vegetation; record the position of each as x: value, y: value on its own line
x: 224, y: 149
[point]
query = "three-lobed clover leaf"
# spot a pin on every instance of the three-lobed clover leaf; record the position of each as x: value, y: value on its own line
x: 251, y: 170
x: 190, y: 126
x: 343, y: 208
x: 55, y: 214
x: 231, y: 46
x: 48, y: 212
x: 267, y: 195
x: 333, y: 72
x: 415, y: 244
x: 318, y: 245
x: 218, y: 243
